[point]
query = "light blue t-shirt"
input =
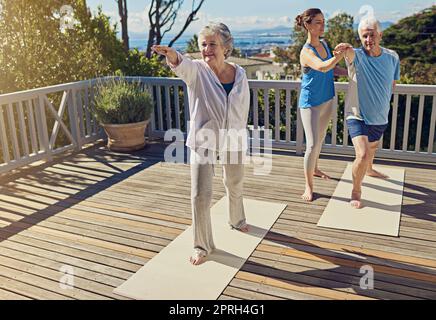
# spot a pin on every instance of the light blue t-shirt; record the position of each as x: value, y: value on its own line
x: 375, y: 76
x: 316, y: 87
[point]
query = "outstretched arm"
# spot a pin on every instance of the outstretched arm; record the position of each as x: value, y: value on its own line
x: 168, y: 52
x: 182, y: 66
x: 309, y: 58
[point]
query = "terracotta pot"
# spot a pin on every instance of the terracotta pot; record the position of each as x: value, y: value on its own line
x: 126, y: 137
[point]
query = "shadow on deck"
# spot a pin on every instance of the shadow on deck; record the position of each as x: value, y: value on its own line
x: 101, y: 215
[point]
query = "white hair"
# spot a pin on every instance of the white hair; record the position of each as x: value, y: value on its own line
x: 369, y: 23
x: 218, y: 29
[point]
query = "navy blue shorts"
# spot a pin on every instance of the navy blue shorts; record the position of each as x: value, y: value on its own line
x: 360, y: 128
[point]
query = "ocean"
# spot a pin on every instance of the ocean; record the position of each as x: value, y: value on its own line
x: 247, y: 43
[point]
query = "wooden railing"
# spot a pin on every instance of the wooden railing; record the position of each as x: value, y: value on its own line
x: 31, y: 121
x: 410, y: 134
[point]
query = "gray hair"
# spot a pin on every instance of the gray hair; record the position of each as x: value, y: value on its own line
x: 369, y: 23
x: 218, y: 29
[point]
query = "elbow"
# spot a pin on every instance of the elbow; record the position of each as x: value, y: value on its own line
x: 323, y: 69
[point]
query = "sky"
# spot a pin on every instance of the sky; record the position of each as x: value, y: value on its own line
x: 241, y: 15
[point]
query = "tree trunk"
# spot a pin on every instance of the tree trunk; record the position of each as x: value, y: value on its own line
x: 122, y: 10
x: 188, y: 21
x: 162, y: 16
x: 150, y: 43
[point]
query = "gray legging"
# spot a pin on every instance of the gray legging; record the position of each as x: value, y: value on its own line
x: 201, y: 196
x: 315, y: 121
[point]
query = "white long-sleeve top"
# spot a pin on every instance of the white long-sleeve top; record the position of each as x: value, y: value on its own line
x: 352, y: 110
x: 211, y: 108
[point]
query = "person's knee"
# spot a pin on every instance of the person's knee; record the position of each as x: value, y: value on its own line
x: 233, y: 182
x: 201, y: 196
x: 362, y: 155
x: 312, y: 146
x: 373, y: 147
x: 234, y: 179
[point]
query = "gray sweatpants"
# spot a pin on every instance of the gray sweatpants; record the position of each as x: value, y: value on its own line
x: 202, y: 172
x: 315, y: 122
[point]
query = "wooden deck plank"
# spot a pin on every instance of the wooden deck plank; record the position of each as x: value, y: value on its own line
x: 254, y: 274
x: 93, y: 258
x: 336, y: 267
x: 334, y: 272
x: 8, y: 295
x: 82, y: 289
x: 248, y: 295
x: 245, y: 288
x: 108, y: 213
x: 29, y: 290
x: 47, y: 262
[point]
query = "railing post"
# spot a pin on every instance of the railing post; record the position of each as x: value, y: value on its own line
x: 152, y: 123
x: 3, y: 137
x: 432, y: 127
x: 45, y: 143
x: 74, y: 118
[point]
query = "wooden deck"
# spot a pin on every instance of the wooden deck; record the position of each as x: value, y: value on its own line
x: 106, y: 214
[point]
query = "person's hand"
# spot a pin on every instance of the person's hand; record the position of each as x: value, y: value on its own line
x: 343, y: 47
x: 339, y: 54
x: 162, y: 50
x: 166, y: 51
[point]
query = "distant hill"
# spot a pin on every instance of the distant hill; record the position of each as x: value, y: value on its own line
x: 280, y: 30
x: 414, y: 37
x: 286, y: 30
x: 384, y: 25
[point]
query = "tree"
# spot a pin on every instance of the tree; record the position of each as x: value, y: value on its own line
x: 340, y: 29
x: 192, y: 45
x: 290, y: 56
x: 413, y: 38
x: 122, y: 11
x: 236, y: 53
x: 35, y: 52
x: 162, y: 16
x: 139, y: 65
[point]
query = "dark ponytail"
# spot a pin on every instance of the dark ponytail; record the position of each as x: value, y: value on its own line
x: 298, y: 22
x: 306, y: 17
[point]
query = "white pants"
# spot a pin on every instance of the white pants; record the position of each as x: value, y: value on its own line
x: 315, y: 122
x: 202, y: 172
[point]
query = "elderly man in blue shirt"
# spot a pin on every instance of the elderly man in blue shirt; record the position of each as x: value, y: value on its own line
x: 374, y: 70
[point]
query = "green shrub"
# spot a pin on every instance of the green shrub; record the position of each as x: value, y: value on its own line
x: 119, y: 102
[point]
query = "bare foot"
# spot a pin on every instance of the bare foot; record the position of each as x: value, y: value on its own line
x: 244, y: 228
x: 356, y: 199
x: 308, y: 194
x: 319, y: 173
x: 197, y: 258
x: 376, y: 174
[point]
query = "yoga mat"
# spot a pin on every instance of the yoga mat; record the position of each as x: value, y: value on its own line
x: 170, y: 275
x: 381, y: 198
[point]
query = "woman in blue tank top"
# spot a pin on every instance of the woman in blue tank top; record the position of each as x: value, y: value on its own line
x: 317, y: 91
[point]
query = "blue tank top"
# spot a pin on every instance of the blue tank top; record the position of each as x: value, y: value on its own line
x: 316, y: 87
x: 228, y: 86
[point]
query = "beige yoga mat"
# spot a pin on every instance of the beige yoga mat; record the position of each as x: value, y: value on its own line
x: 381, y: 198
x: 170, y: 276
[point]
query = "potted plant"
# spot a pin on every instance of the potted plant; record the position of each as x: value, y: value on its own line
x: 123, y: 109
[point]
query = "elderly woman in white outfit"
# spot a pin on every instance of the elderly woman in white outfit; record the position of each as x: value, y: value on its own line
x: 219, y: 99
